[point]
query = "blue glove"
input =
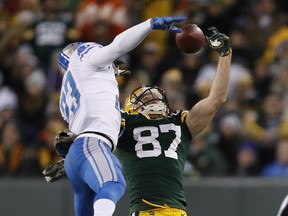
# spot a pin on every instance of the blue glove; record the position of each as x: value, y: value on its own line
x: 165, y: 23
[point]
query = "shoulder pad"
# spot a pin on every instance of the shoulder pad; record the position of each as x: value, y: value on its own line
x: 184, y: 115
x: 180, y: 113
x: 175, y: 113
x: 123, y: 121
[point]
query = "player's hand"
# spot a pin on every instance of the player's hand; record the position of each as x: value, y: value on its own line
x: 54, y: 171
x: 63, y: 141
x: 117, y: 71
x: 219, y: 42
x: 165, y: 23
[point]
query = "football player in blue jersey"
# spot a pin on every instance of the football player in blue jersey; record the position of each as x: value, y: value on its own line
x: 154, y: 143
x: 89, y: 103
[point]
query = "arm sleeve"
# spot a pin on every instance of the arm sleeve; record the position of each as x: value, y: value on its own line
x: 121, y: 44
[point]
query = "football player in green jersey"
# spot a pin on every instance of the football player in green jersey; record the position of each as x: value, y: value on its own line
x: 153, y: 144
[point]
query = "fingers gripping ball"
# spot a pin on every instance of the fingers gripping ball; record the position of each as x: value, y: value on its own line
x: 191, y: 39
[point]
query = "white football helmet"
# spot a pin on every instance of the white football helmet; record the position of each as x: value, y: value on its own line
x: 64, y: 56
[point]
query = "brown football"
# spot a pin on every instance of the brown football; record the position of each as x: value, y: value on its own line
x: 191, y: 39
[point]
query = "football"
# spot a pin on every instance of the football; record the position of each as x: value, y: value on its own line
x: 191, y: 39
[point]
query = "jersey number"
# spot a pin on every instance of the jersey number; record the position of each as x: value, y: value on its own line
x: 70, y: 97
x: 154, y: 133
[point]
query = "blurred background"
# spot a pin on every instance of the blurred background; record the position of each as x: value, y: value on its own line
x: 248, y: 138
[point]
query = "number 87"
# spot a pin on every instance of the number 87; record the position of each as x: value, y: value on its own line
x: 154, y: 131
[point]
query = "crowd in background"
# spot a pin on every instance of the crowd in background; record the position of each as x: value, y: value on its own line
x: 249, y: 135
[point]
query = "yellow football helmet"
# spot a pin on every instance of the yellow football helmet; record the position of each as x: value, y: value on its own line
x: 147, y: 100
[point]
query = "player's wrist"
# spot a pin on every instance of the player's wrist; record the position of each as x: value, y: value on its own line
x: 155, y: 24
x: 226, y: 52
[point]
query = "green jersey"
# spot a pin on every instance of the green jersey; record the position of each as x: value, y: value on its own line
x: 153, y: 154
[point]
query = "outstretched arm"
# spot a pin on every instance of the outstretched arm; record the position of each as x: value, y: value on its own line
x: 202, y: 113
x: 131, y: 38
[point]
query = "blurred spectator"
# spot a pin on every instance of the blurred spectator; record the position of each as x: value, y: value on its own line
x: 8, y: 104
x: 205, y: 157
x: 51, y: 30
x: 4, y: 22
x: 70, y: 6
x: 247, y: 160
x: 262, y: 78
x: 280, y: 80
x: 244, y: 93
x: 8, y: 97
x: 6, y: 115
x: 227, y: 125
x: 172, y: 82
x: 27, y: 12
x: 157, y: 9
x: 10, y: 6
x: 263, y: 20
x: 31, y: 112
x: 25, y: 64
x: 189, y: 66
x: 217, y: 13
x: 13, y: 33
x: 279, y: 167
x: 193, y: 9
x: 230, y: 138
x: 15, y: 159
x: 11, y: 150
x: 9, y: 44
x: 47, y: 154
x: 101, y: 20
x: 264, y: 127
x: 206, y: 74
x: 277, y: 45
x: 149, y: 59
x: 242, y: 48
x: 53, y: 76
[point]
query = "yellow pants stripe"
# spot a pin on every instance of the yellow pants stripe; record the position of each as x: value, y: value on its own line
x: 162, y: 212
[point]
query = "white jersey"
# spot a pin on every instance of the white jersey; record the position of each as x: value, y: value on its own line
x: 89, y: 98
